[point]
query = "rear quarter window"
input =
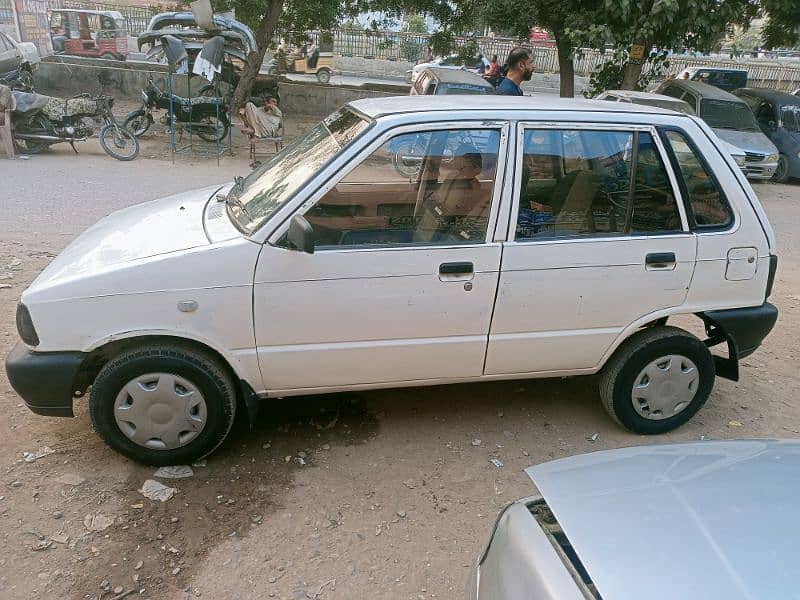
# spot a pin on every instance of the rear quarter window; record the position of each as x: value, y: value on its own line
x: 706, y: 204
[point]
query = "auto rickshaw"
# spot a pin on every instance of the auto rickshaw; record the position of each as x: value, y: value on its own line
x: 309, y: 59
x: 92, y: 33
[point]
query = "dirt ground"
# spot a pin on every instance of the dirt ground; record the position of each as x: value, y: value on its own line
x: 396, y: 494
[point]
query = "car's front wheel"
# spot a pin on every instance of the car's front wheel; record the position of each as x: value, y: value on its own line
x: 163, y: 405
x: 657, y: 380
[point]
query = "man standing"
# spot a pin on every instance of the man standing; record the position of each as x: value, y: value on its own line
x: 520, y: 68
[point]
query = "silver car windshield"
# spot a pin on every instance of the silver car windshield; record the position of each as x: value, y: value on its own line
x: 253, y: 199
x: 790, y: 115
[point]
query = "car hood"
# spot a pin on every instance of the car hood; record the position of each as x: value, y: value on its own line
x: 696, y: 520
x: 145, y: 230
x: 749, y: 141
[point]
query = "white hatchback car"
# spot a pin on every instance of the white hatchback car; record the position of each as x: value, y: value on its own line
x: 411, y: 241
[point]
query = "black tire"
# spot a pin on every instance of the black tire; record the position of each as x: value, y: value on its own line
x: 119, y: 143
x: 202, y: 369
x: 618, y: 376
x: 138, y: 122
x: 782, y: 172
x: 24, y: 80
x: 36, y: 123
x: 219, y: 132
x: 323, y: 76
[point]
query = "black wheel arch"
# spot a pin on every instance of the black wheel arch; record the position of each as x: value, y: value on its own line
x: 96, y: 359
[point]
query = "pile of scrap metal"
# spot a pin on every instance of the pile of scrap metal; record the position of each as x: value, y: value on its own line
x: 239, y: 41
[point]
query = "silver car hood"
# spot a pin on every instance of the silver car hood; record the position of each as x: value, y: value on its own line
x: 749, y: 141
x: 691, y: 521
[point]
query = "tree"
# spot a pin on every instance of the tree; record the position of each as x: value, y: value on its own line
x: 265, y: 17
x: 570, y: 22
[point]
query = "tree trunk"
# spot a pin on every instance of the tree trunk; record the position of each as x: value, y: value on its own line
x: 263, y: 37
x: 633, y: 70
x: 566, y: 69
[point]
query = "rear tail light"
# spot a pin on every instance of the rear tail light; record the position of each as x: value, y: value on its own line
x: 773, y: 268
x: 25, y: 326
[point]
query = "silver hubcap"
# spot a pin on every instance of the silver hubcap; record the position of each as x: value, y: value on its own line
x: 160, y: 411
x: 665, y: 387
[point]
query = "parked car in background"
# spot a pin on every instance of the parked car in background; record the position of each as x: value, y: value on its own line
x: 778, y: 115
x: 18, y: 60
x: 452, y: 61
x: 695, y: 521
x: 435, y: 81
x: 611, y: 218
x: 725, y: 79
x: 731, y: 119
x: 650, y: 99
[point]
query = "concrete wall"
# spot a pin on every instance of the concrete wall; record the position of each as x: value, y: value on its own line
x: 320, y: 100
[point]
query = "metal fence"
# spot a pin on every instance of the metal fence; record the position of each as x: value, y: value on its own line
x: 136, y: 17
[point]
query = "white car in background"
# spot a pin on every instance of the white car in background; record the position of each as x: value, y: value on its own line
x: 662, y: 101
x: 446, y: 62
x: 18, y: 60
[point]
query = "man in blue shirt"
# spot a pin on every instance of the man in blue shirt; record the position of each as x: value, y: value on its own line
x: 520, y: 68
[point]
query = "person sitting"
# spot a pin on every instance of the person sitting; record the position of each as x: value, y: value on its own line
x: 262, y: 122
x: 493, y: 74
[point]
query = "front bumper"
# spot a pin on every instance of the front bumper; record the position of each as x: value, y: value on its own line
x: 44, y: 380
x: 757, y: 170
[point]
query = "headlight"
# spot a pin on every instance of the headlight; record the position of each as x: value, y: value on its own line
x: 772, y: 158
x: 739, y: 159
x: 25, y: 326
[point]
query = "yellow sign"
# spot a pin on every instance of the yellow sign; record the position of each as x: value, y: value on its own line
x: 637, y: 52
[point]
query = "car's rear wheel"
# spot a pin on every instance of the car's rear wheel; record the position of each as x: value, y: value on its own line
x: 657, y: 380
x: 163, y: 405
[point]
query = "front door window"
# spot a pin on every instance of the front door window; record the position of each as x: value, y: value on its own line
x: 430, y: 187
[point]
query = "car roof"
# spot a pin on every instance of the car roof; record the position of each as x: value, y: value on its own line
x: 395, y: 105
x: 775, y: 96
x: 718, y: 69
x: 704, y: 90
x: 699, y: 520
x: 457, y: 76
x: 644, y: 96
x: 115, y: 13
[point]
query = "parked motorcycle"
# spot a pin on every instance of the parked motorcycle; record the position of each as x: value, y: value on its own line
x: 206, y: 116
x: 40, y: 121
x: 19, y: 79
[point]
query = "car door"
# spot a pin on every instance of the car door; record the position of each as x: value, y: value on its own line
x: 599, y: 241
x: 402, y: 281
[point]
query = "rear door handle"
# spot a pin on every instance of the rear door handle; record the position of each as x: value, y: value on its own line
x: 660, y: 260
x: 456, y: 268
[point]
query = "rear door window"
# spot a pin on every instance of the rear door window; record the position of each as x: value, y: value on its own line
x: 582, y: 183
x: 707, y: 206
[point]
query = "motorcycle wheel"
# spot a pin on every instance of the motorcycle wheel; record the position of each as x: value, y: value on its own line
x: 119, y: 142
x: 138, y: 122
x: 24, y: 81
x: 30, y: 146
x: 213, y: 129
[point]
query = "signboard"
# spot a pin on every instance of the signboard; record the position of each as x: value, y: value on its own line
x: 34, y: 25
x: 637, y: 53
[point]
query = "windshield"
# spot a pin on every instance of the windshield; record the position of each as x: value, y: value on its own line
x: 253, y: 199
x: 728, y: 115
x: 790, y: 116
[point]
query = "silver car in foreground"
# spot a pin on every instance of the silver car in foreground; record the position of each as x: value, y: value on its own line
x: 701, y: 521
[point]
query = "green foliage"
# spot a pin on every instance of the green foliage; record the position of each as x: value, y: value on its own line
x: 417, y: 24
x: 609, y: 75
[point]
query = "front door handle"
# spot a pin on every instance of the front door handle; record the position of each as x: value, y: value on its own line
x: 660, y: 260
x: 456, y: 268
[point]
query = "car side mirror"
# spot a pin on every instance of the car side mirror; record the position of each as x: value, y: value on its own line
x: 301, y: 235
